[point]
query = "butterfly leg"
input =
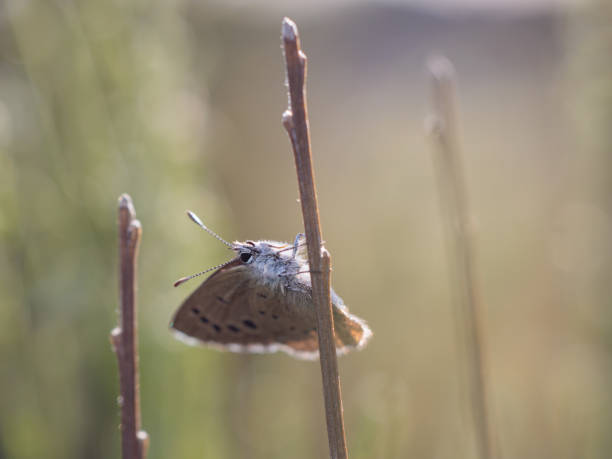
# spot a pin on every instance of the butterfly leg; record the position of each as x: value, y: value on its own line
x: 298, y: 242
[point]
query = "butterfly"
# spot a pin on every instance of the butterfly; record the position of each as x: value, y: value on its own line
x: 261, y: 302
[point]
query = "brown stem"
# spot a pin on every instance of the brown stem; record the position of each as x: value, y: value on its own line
x: 295, y: 120
x: 124, y: 337
x: 455, y: 210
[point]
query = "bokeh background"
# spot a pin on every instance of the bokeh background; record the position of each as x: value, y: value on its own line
x: 179, y: 102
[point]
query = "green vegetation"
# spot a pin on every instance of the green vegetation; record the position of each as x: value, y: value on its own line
x: 178, y: 103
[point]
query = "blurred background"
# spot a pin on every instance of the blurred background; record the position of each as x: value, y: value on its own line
x: 178, y: 103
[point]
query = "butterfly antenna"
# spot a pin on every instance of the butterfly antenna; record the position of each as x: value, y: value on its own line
x: 198, y: 222
x: 182, y: 280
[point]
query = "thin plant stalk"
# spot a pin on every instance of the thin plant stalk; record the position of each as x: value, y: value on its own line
x: 295, y: 120
x: 124, y: 337
x: 455, y: 213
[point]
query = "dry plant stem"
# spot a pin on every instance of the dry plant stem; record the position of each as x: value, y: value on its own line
x: 134, y: 442
x: 295, y: 120
x: 455, y: 210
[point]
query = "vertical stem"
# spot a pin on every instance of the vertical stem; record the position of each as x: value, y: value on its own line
x: 295, y: 120
x: 124, y: 338
x: 455, y: 210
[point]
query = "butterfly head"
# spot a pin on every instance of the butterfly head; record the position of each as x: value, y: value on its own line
x: 250, y: 252
x: 269, y: 259
x: 247, y: 251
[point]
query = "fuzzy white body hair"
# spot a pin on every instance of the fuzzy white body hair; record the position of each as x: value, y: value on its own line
x: 277, y: 267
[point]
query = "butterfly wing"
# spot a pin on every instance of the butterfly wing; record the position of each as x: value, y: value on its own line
x: 232, y: 310
x: 351, y: 332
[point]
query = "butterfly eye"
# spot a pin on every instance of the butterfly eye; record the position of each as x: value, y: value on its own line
x: 246, y: 257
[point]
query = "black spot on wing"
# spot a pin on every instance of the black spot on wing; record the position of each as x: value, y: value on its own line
x: 249, y: 323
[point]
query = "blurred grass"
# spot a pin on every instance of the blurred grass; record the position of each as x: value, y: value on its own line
x: 179, y: 104
x: 90, y: 91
